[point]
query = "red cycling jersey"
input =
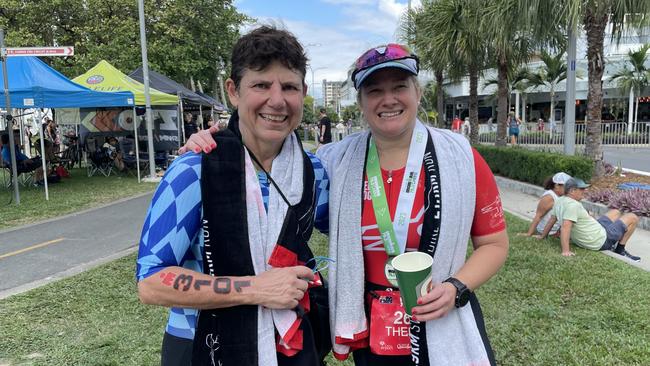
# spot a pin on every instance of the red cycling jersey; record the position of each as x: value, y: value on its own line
x: 488, y: 215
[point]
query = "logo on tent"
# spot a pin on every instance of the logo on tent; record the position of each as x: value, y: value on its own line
x: 95, y: 79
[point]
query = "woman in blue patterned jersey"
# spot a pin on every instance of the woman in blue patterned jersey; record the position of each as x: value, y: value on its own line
x: 224, y: 244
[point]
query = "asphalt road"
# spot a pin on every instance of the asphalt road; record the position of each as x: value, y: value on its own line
x: 33, y: 255
x: 635, y: 158
x: 630, y: 158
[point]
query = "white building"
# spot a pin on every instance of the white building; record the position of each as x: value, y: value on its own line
x: 332, y: 94
x: 535, y: 103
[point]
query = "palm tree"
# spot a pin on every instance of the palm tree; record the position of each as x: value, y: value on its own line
x: 594, y: 16
x: 621, y: 14
x: 513, y: 28
x: 452, y: 28
x: 633, y: 80
x: 521, y: 85
x: 430, y: 95
x: 552, y: 72
x: 410, y: 32
x: 518, y: 81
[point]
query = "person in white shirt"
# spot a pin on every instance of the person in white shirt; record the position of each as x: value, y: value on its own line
x: 467, y: 127
x: 340, y: 131
x: 554, y: 188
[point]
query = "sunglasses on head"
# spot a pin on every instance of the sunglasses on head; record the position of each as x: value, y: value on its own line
x: 378, y: 55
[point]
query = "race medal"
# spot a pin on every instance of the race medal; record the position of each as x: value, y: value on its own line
x: 389, y: 272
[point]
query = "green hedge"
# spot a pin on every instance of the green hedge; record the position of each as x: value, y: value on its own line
x: 534, y: 166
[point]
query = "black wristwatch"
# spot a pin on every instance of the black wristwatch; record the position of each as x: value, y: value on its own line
x: 462, y: 292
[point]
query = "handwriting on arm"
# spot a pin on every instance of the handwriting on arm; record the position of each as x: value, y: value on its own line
x: 220, y: 285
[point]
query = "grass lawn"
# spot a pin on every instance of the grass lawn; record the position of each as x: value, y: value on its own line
x: 73, y: 194
x: 541, y: 309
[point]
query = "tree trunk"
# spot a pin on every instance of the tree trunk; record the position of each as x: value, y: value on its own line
x: 473, y: 105
x: 502, y: 104
x: 595, y: 23
x: 440, y: 99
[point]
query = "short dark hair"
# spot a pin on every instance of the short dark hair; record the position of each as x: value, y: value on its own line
x: 264, y: 45
x: 5, y: 138
x: 548, y: 183
x: 323, y: 110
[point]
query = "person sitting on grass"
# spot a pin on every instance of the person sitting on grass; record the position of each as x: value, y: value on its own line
x: 609, y: 232
x: 554, y: 188
x: 23, y: 163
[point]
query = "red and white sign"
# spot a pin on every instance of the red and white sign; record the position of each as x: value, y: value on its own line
x: 38, y: 51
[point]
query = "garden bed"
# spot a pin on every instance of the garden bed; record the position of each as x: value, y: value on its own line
x: 606, y: 190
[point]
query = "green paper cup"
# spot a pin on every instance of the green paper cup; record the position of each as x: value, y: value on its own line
x: 413, y: 270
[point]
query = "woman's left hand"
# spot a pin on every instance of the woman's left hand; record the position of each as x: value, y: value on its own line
x: 435, y: 304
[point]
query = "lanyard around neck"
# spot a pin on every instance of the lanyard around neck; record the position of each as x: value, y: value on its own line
x: 268, y: 175
x: 394, y: 233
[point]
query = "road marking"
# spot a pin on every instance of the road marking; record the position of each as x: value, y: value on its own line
x: 31, y: 248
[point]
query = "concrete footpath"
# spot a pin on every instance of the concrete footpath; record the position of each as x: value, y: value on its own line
x: 521, y: 199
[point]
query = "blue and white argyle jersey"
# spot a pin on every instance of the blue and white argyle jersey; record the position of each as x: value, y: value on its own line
x: 172, y: 233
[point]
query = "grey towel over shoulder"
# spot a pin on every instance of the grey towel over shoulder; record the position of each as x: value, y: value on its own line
x: 452, y: 340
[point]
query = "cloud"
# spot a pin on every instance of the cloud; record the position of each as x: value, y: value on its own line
x: 378, y: 20
x: 350, y: 2
x: 333, y: 47
x: 331, y: 52
x: 390, y: 7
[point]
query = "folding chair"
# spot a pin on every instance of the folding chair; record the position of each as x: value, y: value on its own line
x: 25, y: 178
x: 127, y: 147
x: 99, y: 161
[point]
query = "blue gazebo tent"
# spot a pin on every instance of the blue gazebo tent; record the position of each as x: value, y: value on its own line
x: 33, y: 84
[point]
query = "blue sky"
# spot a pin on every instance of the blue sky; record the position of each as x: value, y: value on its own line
x: 334, y: 32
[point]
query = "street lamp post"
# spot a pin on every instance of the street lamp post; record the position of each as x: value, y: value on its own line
x: 147, y: 96
x: 313, y: 105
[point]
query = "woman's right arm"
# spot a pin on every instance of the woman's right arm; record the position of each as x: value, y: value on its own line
x: 278, y: 288
x: 168, y: 239
x: 543, y: 207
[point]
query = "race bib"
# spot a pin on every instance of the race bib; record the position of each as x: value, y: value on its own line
x: 389, y: 325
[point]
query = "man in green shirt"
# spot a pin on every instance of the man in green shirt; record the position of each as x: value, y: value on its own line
x: 610, y: 232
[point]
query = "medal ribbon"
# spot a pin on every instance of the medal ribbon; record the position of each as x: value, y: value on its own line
x: 394, y: 233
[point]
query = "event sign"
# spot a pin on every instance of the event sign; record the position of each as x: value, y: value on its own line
x: 38, y: 51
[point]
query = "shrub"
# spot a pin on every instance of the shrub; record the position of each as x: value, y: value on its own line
x: 534, y: 166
